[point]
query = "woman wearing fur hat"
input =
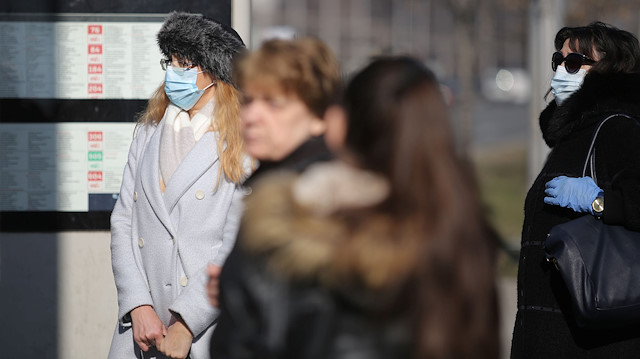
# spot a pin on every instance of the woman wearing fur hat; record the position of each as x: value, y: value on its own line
x: 180, y: 201
x: 381, y: 254
x: 597, y: 74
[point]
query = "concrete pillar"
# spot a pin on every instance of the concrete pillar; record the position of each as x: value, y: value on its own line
x: 241, y: 19
x: 546, y: 17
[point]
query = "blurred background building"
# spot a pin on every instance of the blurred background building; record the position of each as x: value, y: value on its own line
x: 480, y: 50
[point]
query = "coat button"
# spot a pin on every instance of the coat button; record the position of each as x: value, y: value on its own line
x: 140, y: 242
x: 135, y: 196
x: 184, y: 281
x: 199, y: 194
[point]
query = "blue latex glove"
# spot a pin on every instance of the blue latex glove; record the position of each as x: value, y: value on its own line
x: 576, y: 193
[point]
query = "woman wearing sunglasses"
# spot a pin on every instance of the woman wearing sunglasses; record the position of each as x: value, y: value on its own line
x: 597, y: 74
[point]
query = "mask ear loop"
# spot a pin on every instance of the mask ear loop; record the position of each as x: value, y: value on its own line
x: 214, y: 83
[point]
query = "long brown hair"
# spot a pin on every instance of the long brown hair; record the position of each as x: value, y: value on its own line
x: 225, y: 120
x: 399, y: 127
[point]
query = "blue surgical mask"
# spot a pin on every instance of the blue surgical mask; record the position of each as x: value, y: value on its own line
x: 180, y: 86
x: 565, y: 84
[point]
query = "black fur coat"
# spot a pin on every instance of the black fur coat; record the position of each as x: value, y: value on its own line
x: 544, y: 325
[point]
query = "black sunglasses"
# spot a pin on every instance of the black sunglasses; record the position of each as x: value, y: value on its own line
x: 572, y: 62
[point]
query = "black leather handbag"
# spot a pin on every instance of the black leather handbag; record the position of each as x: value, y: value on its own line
x: 599, y: 263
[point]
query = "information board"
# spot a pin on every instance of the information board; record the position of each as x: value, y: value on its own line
x: 80, y: 59
x: 76, y: 76
x: 65, y: 167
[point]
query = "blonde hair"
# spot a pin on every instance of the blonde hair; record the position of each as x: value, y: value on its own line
x: 225, y: 120
x: 156, y: 107
x: 227, y: 123
x: 304, y: 67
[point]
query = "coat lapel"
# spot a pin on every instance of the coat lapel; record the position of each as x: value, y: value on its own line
x: 198, y: 161
x: 150, y: 178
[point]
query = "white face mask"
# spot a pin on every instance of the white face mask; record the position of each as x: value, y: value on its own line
x: 565, y: 84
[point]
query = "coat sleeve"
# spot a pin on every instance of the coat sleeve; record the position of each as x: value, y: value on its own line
x: 231, y: 225
x: 192, y: 304
x: 617, y: 151
x: 132, y: 287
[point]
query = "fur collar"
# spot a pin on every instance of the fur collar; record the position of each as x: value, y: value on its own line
x: 323, y: 226
x: 328, y: 188
x: 600, y: 95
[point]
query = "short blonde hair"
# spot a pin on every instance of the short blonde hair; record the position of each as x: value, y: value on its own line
x: 304, y: 67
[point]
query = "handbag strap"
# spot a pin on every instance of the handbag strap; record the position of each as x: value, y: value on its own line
x: 591, y: 158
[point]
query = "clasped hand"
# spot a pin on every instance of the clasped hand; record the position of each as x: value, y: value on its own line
x: 576, y: 193
x: 178, y: 341
x: 149, y: 331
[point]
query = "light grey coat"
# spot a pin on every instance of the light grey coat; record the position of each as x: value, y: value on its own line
x: 161, y: 244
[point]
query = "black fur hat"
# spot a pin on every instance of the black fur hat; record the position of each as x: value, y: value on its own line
x: 205, y: 42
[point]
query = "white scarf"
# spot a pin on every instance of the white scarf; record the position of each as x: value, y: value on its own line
x: 179, y: 136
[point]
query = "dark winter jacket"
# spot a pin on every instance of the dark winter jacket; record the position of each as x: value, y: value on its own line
x: 287, y: 292
x: 312, y: 151
x: 544, y: 325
